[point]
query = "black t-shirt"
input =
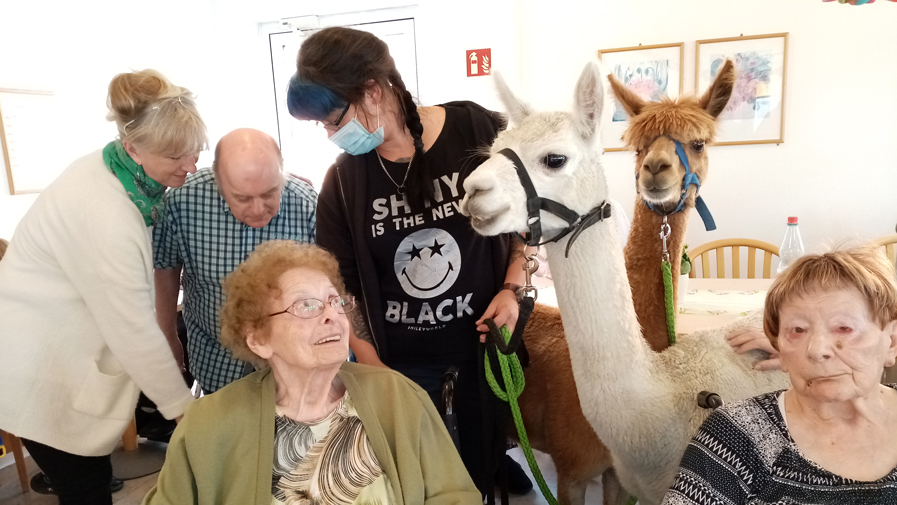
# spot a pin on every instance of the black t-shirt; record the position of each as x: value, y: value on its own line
x: 436, y: 273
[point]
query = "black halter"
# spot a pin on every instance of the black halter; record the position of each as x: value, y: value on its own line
x: 535, y: 204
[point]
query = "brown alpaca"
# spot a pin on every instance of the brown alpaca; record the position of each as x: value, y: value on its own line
x: 659, y: 175
x: 550, y: 404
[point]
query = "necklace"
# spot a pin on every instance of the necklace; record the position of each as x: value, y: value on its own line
x: 399, y: 187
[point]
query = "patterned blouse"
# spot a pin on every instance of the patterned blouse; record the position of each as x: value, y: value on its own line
x: 326, y: 462
x: 744, y: 454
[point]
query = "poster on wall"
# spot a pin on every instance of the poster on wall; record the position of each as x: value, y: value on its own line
x: 756, y: 111
x: 652, y: 72
x: 26, y: 117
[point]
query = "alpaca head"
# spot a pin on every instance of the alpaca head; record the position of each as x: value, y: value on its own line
x: 652, y: 125
x: 561, y: 155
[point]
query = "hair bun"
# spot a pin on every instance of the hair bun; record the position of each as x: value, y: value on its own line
x: 131, y: 93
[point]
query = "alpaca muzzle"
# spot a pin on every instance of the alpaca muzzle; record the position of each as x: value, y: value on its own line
x: 690, y: 179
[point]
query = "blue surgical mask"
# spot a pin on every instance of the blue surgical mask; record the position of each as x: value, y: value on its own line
x: 355, y: 139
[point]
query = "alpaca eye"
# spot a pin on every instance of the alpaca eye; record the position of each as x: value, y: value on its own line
x: 698, y: 145
x: 554, y: 161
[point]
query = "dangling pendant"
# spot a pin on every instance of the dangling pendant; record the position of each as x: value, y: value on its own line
x: 401, y: 189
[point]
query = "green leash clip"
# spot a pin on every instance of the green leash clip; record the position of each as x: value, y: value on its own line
x: 666, y: 269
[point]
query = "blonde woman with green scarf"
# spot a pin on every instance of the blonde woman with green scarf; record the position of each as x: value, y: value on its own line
x: 79, y: 334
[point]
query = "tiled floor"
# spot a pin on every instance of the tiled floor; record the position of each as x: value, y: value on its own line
x: 534, y: 497
x: 134, y: 491
x: 11, y: 492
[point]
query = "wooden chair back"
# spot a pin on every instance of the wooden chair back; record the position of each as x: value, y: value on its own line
x: 14, y: 444
x: 890, y: 245
x: 702, y: 252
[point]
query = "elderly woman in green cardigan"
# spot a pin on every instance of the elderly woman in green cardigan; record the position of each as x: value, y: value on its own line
x: 308, y: 426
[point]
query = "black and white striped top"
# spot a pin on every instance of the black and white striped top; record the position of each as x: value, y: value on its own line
x: 744, y: 454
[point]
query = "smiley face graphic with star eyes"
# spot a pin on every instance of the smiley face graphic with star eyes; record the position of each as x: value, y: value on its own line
x: 427, y: 262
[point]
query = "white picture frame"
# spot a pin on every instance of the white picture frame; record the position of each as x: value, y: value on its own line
x: 755, y: 113
x: 26, y: 116
x: 650, y: 71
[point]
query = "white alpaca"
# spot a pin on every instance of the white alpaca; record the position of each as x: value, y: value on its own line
x: 641, y: 404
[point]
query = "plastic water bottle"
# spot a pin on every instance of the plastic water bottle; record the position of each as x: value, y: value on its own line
x: 792, y: 247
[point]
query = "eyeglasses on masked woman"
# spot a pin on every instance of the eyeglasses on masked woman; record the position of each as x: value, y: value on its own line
x: 334, y: 126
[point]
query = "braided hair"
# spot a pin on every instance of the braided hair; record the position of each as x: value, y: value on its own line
x: 335, y: 67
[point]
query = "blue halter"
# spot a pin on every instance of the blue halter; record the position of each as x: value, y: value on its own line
x: 690, y: 179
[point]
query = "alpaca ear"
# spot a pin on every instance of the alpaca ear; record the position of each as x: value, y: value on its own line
x: 717, y: 96
x: 631, y: 102
x: 517, y: 109
x: 588, y: 101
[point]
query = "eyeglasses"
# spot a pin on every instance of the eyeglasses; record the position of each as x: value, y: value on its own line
x: 327, y: 125
x: 312, y: 307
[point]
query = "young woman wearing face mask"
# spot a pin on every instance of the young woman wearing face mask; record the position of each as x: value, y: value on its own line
x: 389, y: 211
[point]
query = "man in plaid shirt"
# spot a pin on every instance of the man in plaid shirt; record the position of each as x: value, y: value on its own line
x: 209, y: 226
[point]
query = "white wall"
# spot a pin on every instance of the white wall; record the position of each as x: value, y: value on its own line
x: 836, y: 171
x: 441, y: 34
x: 75, y: 48
x: 213, y: 47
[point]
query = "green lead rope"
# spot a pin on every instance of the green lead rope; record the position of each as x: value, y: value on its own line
x: 668, y: 300
x: 512, y: 374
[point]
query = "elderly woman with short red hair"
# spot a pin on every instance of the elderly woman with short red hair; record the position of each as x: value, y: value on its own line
x: 832, y: 437
x: 308, y: 427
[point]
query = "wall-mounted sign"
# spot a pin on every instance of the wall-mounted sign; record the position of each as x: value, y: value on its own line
x: 479, y: 62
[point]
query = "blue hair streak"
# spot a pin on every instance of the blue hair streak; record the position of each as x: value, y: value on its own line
x: 310, y: 101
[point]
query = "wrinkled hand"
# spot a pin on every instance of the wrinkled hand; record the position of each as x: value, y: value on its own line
x: 504, y: 310
x: 371, y: 360
x: 365, y: 353
x: 747, y: 339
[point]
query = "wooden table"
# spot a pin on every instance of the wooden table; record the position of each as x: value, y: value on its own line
x: 710, y: 303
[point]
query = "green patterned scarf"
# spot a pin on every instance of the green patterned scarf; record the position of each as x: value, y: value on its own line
x: 142, y: 189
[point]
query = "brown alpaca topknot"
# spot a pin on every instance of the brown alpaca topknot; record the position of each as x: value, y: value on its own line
x: 685, y: 119
x: 682, y: 118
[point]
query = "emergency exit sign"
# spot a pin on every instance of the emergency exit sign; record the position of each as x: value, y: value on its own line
x: 479, y: 62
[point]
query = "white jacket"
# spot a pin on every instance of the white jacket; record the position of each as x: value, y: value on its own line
x: 78, y: 334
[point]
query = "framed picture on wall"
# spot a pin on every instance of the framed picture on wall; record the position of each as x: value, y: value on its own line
x: 652, y: 72
x: 26, y: 116
x: 756, y: 112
